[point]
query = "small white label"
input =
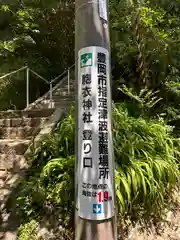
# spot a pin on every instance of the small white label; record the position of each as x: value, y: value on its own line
x: 103, y: 9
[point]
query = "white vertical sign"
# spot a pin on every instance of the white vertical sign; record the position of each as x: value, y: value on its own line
x: 103, y: 9
x: 95, y: 151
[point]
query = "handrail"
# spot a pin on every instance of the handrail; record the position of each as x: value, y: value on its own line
x: 35, y: 73
x: 8, y: 74
x: 52, y: 89
x: 53, y: 80
x: 20, y: 69
x: 49, y: 93
x: 44, y: 79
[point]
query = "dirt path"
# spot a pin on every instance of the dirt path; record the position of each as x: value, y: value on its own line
x: 169, y: 229
x: 8, y: 220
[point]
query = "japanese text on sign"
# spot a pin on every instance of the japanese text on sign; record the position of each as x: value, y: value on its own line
x: 95, y: 151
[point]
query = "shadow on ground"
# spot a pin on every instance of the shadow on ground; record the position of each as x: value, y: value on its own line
x: 9, y: 221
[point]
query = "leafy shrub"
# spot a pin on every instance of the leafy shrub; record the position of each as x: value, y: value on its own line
x: 30, y: 199
x: 49, y: 186
x: 58, y: 144
x: 28, y: 231
x: 142, y: 103
x: 57, y: 178
x: 50, y: 191
x: 147, y: 169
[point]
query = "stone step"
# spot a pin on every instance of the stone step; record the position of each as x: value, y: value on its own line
x: 12, y: 162
x: 46, y: 112
x: 16, y: 132
x: 22, y: 122
x: 47, y: 104
x: 65, y: 86
x: 10, y: 146
x: 63, y: 93
x: 72, y: 85
x: 59, y: 104
x: 63, y: 98
x: 64, y: 105
x: 64, y: 89
x: 36, y: 113
x: 69, y: 100
x: 10, y: 114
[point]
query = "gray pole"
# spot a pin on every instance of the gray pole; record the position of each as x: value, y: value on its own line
x: 90, y: 30
x: 27, y: 87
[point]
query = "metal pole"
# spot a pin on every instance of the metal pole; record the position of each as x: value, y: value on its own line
x: 68, y: 80
x: 51, y: 94
x: 27, y: 87
x: 91, y: 38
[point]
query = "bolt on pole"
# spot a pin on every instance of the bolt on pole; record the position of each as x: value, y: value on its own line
x: 94, y: 175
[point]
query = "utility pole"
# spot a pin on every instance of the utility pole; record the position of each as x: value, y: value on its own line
x: 94, y: 176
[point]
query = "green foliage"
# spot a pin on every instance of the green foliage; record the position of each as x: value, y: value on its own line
x: 147, y: 170
x: 50, y: 190
x: 49, y: 186
x: 147, y: 165
x: 144, y: 103
x: 159, y: 37
x: 39, y: 34
x: 57, y: 178
x: 158, y: 46
x: 60, y: 143
x: 28, y: 231
x: 31, y: 202
x: 13, y: 93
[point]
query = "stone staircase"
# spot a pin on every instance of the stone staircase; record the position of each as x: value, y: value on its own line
x: 61, y: 98
x: 17, y: 129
